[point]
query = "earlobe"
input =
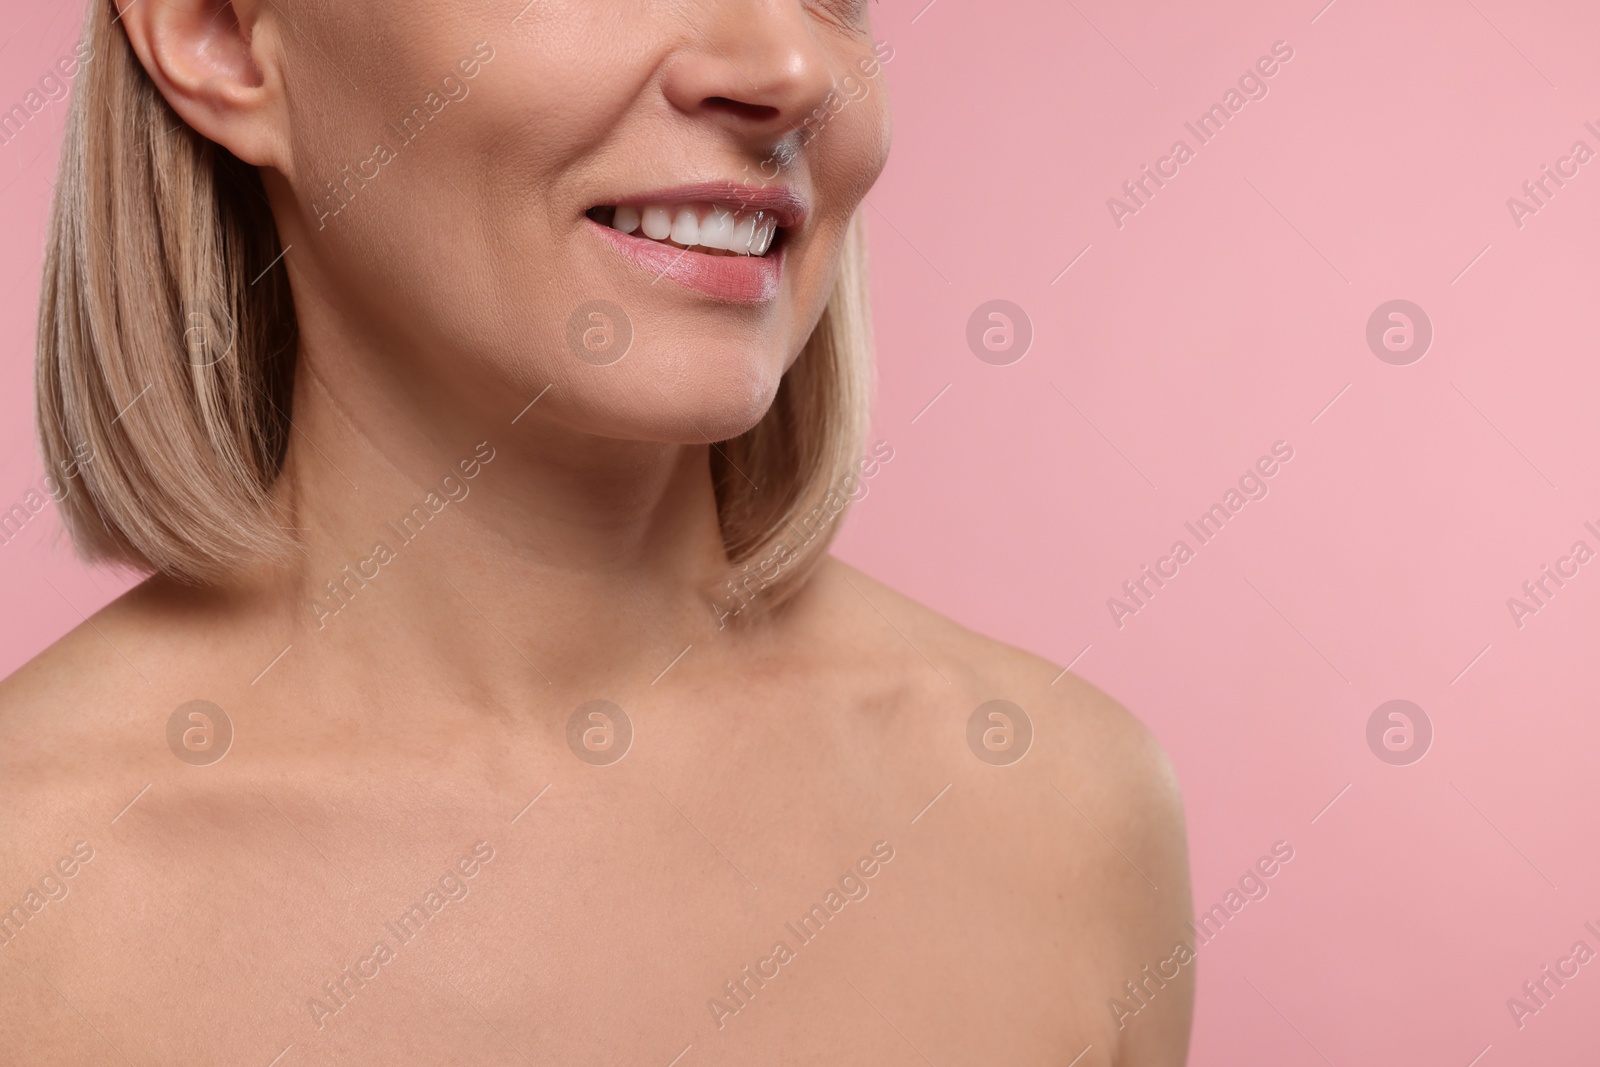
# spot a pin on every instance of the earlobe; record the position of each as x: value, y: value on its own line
x: 204, y: 57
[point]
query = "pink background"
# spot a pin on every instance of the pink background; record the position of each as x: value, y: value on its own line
x: 1222, y: 317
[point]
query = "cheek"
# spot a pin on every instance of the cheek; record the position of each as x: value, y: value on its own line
x: 852, y: 151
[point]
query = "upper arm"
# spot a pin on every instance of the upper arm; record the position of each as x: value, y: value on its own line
x: 1125, y: 786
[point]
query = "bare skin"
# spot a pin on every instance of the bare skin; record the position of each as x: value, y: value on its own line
x: 764, y: 766
x: 416, y: 739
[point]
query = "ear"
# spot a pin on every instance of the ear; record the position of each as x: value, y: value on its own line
x: 214, y: 62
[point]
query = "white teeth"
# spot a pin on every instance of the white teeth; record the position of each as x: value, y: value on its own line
x: 717, y: 230
x: 656, y: 223
x: 763, y: 237
x: 742, y: 235
x: 686, y: 227
x: 704, y: 227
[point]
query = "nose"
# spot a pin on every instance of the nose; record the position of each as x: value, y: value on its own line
x: 754, y: 67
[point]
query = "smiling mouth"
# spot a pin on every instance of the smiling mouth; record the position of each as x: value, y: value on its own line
x: 710, y: 229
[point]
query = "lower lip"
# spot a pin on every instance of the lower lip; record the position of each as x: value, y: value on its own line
x: 737, y: 279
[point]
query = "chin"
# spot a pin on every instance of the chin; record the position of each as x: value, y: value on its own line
x: 719, y: 408
x: 712, y: 400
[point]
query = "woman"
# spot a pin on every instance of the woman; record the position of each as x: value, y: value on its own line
x: 481, y: 384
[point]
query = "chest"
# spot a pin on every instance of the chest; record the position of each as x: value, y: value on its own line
x: 757, y: 909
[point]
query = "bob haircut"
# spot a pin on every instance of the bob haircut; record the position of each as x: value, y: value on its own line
x: 166, y: 354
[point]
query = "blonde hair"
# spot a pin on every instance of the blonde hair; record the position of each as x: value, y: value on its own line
x: 166, y: 354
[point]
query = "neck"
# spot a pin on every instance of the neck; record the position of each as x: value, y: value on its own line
x: 503, y: 558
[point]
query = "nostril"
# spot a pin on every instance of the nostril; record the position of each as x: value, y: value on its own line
x: 740, y: 109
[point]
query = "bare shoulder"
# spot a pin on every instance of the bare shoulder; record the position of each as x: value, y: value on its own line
x: 1088, y: 727
x: 61, y: 708
x: 1078, y: 741
x: 1069, y: 798
x: 67, y: 751
x: 82, y: 722
x: 84, y: 685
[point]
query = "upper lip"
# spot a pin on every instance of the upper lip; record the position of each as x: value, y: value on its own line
x: 783, y: 203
